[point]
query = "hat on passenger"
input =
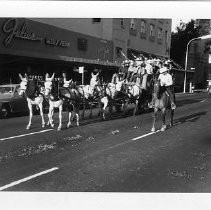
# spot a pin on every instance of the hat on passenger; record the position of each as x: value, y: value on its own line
x: 139, y: 59
x: 164, y: 69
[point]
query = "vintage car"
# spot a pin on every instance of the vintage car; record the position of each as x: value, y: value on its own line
x: 11, y: 101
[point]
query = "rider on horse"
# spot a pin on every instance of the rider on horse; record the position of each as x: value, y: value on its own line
x: 166, y: 83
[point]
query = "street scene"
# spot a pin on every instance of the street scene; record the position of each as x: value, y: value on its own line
x: 105, y: 105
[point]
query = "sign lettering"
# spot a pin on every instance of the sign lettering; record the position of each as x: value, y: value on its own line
x: 10, y: 27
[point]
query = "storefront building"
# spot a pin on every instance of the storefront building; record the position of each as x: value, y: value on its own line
x: 37, y: 45
x: 36, y: 48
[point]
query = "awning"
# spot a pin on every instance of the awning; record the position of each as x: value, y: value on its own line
x: 58, y: 57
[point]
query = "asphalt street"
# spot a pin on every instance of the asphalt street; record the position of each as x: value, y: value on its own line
x: 116, y: 155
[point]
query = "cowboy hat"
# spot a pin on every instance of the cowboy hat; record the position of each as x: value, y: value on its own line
x: 164, y: 69
x: 139, y: 59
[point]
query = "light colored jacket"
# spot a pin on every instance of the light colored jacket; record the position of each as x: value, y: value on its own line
x: 165, y: 79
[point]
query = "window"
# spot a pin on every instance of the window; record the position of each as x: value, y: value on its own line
x: 96, y: 20
x: 152, y: 30
x: 82, y: 44
x: 122, y: 23
x: 160, y: 33
x: 133, y: 30
x: 143, y: 27
x: 133, y: 24
x: 118, y: 52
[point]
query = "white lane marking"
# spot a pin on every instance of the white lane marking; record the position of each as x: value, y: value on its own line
x: 148, y: 134
x: 123, y: 143
x: 27, y: 134
x: 27, y: 178
x: 193, y: 118
x: 203, y: 101
x: 177, y: 123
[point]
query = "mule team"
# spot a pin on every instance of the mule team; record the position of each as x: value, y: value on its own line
x: 142, y: 81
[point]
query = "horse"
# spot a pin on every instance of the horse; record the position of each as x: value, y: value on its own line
x: 29, y: 88
x: 88, y: 94
x: 134, y: 92
x: 72, y: 101
x: 52, y: 95
x: 115, y: 95
x: 162, y: 103
x: 137, y: 94
x: 70, y: 95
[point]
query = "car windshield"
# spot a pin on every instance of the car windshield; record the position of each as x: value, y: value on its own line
x: 6, y: 90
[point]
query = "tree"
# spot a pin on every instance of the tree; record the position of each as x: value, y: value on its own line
x: 179, y: 40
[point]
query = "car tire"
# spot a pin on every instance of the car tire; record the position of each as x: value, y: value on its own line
x: 5, y: 112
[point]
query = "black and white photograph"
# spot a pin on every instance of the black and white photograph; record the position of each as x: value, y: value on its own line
x: 105, y: 104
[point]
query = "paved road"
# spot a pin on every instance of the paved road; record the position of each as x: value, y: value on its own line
x: 117, y: 155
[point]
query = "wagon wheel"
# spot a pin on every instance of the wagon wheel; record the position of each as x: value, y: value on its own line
x: 118, y: 108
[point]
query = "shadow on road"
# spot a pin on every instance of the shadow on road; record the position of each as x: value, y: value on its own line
x: 190, y: 118
x: 186, y: 102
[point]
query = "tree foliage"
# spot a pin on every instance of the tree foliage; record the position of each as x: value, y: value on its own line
x: 179, y: 39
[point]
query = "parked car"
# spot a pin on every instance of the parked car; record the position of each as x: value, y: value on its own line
x: 11, y: 101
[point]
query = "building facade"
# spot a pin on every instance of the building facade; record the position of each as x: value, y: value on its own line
x: 37, y: 45
x: 199, y: 61
x: 149, y: 36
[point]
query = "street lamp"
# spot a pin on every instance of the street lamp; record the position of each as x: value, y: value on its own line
x: 186, y: 57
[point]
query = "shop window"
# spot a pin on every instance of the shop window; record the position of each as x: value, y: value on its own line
x: 82, y: 44
x: 96, y: 20
x: 118, y: 52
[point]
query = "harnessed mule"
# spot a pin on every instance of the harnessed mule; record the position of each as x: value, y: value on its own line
x: 53, y: 97
x: 115, y: 95
x: 30, y: 89
x: 87, y: 93
x: 162, y: 103
x: 137, y: 95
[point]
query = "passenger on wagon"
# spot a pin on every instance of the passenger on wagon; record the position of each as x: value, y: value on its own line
x: 131, y: 70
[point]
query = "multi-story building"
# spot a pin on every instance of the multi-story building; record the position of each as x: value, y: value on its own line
x: 199, y: 62
x: 38, y: 45
x: 151, y: 36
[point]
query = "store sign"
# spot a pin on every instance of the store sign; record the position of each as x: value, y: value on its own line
x: 11, y: 28
x: 56, y: 42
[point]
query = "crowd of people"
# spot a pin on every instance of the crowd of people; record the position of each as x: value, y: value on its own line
x: 138, y: 70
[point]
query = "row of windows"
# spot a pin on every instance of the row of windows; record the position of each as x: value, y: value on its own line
x: 143, y: 29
